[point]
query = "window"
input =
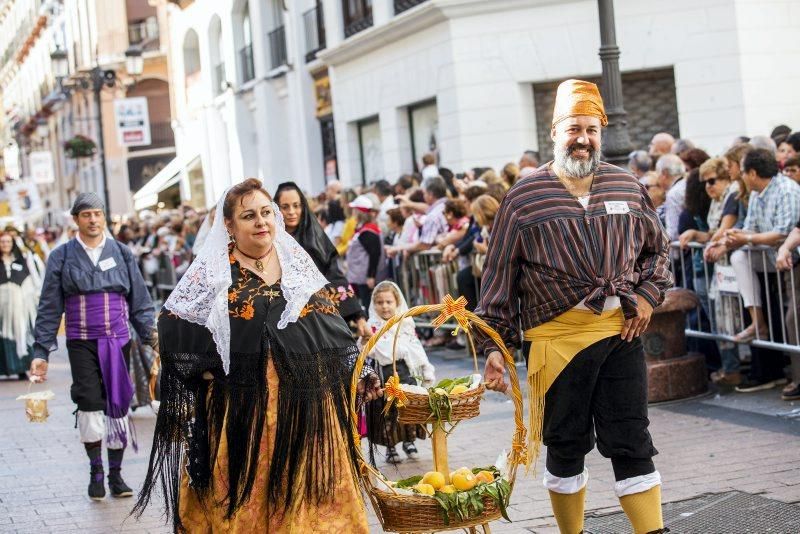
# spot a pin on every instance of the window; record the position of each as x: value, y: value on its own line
x: 357, y: 15
x: 246, y: 51
x: 277, y: 38
x: 369, y: 141
x: 314, y: 26
x: 423, y: 123
x: 405, y: 5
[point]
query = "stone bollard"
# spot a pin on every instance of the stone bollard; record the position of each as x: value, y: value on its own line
x: 672, y: 374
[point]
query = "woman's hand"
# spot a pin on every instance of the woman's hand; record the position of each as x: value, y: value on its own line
x: 369, y: 388
x: 687, y: 237
x: 362, y: 328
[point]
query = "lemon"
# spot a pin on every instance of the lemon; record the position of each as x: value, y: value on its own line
x: 485, y: 477
x: 459, y: 389
x: 464, y: 481
x: 460, y: 470
x: 425, y: 489
x: 448, y: 489
x: 434, y: 478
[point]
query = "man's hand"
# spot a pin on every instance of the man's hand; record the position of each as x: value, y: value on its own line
x: 714, y: 252
x: 736, y: 238
x: 784, y: 261
x: 39, y: 370
x: 494, y: 371
x: 371, y: 283
x: 369, y: 388
x: 635, y: 326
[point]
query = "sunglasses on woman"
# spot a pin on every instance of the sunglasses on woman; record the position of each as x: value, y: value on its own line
x: 710, y: 181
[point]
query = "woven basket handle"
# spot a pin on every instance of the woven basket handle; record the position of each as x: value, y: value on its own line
x: 517, y: 455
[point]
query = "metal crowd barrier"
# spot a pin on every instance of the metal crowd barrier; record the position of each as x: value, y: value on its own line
x: 719, y: 297
x: 426, y: 279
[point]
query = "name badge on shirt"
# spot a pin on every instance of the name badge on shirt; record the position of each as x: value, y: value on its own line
x: 107, y: 264
x: 617, y: 207
x: 16, y: 266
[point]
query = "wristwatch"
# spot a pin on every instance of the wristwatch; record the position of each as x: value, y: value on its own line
x: 749, y: 239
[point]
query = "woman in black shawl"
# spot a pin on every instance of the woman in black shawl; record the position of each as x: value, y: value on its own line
x: 304, y: 228
x: 254, y: 429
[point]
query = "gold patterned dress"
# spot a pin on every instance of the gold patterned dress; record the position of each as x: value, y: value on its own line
x: 270, y: 449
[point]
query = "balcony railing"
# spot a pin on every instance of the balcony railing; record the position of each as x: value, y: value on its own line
x: 144, y: 34
x: 277, y: 47
x: 246, y: 63
x: 357, y: 25
x: 161, y: 136
x: 314, y: 25
x: 219, y: 77
x: 405, y: 5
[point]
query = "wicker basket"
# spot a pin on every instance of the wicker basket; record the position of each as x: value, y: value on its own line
x: 419, y: 513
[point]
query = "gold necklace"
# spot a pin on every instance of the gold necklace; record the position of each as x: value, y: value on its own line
x: 258, y: 264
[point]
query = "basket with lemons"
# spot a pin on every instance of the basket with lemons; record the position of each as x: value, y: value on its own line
x: 465, y: 495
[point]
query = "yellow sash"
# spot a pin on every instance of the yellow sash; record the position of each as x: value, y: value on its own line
x: 553, y: 345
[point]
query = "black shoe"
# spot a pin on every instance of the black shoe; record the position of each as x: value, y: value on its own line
x: 392, y: 456
x: 791, y: 394
x: 23, y: 375
x: 411, y: 450
x: 117, y: 486
x: 750, y: 385
x: 97, y: 490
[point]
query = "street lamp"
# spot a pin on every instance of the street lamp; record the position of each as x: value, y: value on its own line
x: 95, y: 80
x: 617, y: 142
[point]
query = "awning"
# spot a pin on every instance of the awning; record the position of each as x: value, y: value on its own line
x: 170, y: 175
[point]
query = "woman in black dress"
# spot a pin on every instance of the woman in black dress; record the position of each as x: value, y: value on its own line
x: 305, y: 229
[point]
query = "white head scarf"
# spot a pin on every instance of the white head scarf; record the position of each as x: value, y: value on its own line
x: 201, y: 295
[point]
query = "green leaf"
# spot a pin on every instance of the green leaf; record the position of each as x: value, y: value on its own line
x: 444, y: 384
x: 408, y: 482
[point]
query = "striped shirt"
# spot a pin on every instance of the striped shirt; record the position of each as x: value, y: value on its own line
x: 548, y: 253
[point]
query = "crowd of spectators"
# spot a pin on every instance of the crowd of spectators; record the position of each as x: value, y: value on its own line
x: 730, y: 216
x: 735, y: 214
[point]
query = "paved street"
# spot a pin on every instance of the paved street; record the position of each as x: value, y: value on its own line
x: 714, y: 444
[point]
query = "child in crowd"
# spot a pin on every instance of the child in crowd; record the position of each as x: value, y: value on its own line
x: 412, y: 365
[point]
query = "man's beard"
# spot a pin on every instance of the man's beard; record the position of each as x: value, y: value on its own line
x: 572, y: 167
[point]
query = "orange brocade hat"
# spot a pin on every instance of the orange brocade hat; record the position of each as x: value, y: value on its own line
x: 577, y: 97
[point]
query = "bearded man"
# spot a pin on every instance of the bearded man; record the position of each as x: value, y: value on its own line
x: 578, y: 257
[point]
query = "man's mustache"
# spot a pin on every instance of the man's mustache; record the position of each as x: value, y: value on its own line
x: 578, y: 146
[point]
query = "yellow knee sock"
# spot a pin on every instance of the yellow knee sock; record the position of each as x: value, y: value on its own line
x: 644, y: 510
x: 568, y: 509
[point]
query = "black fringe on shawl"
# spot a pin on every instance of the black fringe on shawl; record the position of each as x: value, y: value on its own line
x: 246, y: 400
x: 179, y: 420
x: 310, y: 384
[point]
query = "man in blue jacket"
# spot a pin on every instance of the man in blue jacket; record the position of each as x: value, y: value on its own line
x: 96, y: 282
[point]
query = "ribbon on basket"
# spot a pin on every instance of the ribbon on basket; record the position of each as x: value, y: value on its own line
x: 393, y: 394
x: 456, y: 309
